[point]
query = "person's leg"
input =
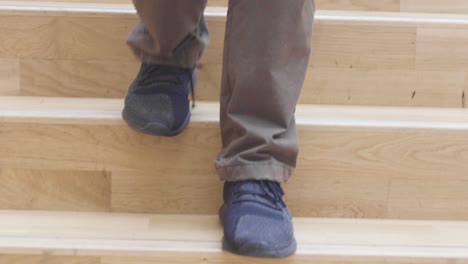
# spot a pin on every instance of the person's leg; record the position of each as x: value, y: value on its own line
x: 170, y: 32
x: 267, y: 51
x: 169, y: 40
x: 265, y: 61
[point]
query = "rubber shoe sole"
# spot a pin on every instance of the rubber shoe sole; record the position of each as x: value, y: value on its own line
x: 259, y: 251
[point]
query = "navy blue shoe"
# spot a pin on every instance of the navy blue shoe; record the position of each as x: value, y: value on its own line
x: 158, y: 102
x: 256, y: 220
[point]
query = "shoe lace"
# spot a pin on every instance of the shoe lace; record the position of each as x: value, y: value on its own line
x: 271, y: 192
x: 167, y: 74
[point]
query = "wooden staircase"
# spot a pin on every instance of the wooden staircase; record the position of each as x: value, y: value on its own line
x: 382, y: 173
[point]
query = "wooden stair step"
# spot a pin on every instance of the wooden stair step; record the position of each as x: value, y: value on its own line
x: 420, y: 6
x: 359, y: 58
x: 192, y: 238
x: 428, y: 6
x: 365, y: 162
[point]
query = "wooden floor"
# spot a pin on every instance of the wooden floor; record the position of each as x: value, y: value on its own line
x: 196, y: 239
x: 359, y: 58
x: 77, y: 154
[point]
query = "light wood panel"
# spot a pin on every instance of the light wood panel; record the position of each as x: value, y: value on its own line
x: 354, y: 162
x: 9, y: 77
x: 430, y: 53
x: 353, y: 62
x: 427, y: 195
x: 215, y: 259
x: 423, y: 6
x: 90, y: 1
x: 44, y: 259
x: 434, y: 6
x: 385, y: 87
x: 369, y: 5
x: 81, y: 78
x: 227, y: 258
x: 85, y: 234
x: 55, y: 190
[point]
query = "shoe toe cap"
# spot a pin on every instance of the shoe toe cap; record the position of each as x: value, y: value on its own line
x: 149, y: 114
x: 262, y: 236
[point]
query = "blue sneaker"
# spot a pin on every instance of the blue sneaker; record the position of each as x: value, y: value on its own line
x: 158, y: 102
x: 256, y: 220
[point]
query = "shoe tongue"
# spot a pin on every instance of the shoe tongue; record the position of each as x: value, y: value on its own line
x: 256, y: 187
x: 153, y: 73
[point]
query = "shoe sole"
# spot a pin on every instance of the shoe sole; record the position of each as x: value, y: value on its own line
x: 155, y: 128
x: 255, y: 251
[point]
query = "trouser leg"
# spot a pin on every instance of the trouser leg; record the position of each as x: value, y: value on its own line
x: 267, y: 49
x: 171, y: 32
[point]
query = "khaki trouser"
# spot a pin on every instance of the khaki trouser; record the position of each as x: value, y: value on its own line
x: 267, y: 48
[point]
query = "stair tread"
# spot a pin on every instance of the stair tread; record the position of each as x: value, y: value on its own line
x: 123, y: 6
x: 98, y: 7
x: 375, y: 162
x: 112, y: 233
x: 396, y: 59
x: 91, y: 8
x: 72, y: 110
x: 435, y: 6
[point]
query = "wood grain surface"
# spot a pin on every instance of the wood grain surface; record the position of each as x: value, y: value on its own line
x: 363, y: 162
x: 359, y: 62
x: 197, y: 238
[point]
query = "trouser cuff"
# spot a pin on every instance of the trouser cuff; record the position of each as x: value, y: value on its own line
x: 271, y: 171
